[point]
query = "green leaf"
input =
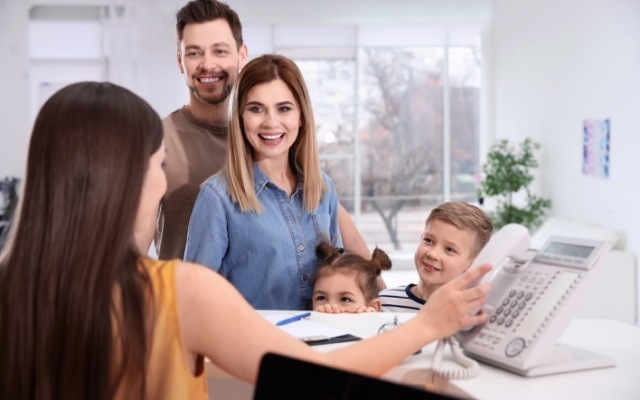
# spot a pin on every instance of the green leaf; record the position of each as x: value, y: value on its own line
x: 509, y: 170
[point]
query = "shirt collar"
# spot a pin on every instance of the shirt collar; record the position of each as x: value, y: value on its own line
x: 260, y: 180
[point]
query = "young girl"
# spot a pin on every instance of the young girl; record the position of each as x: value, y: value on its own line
x: 347, y: 282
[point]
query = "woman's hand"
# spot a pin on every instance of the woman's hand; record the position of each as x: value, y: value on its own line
x: 455, y: 306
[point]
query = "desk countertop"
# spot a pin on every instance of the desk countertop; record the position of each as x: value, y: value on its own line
x: 610, y: 338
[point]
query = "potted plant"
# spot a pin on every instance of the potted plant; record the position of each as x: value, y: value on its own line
x: 507, y: 172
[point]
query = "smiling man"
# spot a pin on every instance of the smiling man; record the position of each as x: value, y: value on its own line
x: 210, y: 54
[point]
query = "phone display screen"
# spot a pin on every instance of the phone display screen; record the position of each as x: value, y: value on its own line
x: 570, y: 250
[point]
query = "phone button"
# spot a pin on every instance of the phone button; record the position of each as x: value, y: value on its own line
x: 515, y: 347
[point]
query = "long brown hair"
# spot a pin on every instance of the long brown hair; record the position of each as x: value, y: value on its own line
x: 69, y: 277
x: 304, y: 158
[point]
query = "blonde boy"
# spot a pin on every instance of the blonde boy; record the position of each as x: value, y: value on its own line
x: 454, y: 234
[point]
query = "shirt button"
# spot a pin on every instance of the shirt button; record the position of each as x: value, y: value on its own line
x: 305, y: 277
x: 301, y: 247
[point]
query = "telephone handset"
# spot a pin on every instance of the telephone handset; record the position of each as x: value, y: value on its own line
x: 511, y: 241
x: 535, y: 294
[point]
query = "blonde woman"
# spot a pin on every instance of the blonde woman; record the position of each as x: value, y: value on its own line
x: 259, y: 220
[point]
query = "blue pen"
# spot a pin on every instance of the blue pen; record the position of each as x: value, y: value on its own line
x: 293, y: 319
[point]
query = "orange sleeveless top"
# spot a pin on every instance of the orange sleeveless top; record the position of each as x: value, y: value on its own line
x: 168, y: 376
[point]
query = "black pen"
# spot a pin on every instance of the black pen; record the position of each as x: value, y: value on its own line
x: 293, y: 319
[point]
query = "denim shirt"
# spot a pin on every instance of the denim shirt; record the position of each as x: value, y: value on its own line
x: 269, y: 257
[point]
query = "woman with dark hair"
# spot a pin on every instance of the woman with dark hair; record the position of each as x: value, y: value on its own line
x: 85, y: 314
x: 71, y: 271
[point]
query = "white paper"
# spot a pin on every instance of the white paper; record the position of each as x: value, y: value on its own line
x: 305, y: 329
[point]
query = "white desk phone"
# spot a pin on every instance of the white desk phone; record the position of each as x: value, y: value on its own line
x: 534, y: 297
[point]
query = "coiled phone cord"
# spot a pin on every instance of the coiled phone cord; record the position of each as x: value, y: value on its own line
x: 470, y: 367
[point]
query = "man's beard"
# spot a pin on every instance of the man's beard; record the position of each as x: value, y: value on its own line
x: 213, y: 98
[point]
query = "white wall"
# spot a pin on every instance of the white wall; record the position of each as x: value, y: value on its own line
x: 14, y: 88
x: 139, y: 49
x: 555, y: 64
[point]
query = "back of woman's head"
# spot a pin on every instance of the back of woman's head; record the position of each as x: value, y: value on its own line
x: 72, y: 242
x: 89, y: 151
x: 334, y: 259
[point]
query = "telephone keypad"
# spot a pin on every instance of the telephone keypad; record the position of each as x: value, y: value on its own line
x: 516, y: 312
x: 533, y: 299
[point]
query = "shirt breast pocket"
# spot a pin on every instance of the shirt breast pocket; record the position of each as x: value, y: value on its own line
x: 322, y: 223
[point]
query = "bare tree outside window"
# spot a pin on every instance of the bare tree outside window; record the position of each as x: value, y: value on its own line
x: 400, y: 127
x: 401, y: 133
x: 464, y: 100
x: 331, y: 85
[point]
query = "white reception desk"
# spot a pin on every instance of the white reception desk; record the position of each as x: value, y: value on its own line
x: 609, y: 338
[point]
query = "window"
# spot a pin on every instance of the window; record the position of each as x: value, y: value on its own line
x: 398, y: 131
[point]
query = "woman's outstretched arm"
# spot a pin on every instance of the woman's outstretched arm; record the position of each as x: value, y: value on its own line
x: 217, y: 322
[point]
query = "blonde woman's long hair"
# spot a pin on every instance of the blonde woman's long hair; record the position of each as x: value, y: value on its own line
x: 303, y: 154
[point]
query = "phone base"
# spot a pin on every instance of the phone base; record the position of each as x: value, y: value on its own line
x: 562, y: 359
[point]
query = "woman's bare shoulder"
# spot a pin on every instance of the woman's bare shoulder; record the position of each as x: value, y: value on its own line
x: 194, y: 275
